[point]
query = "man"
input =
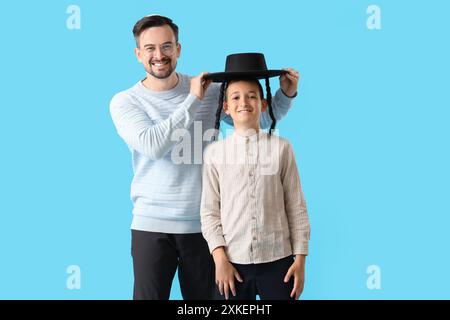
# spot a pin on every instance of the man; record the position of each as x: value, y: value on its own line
x: 166, y: 194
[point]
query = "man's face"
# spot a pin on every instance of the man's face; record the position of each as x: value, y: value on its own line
x: 158, y: 51
x: 243, y: 103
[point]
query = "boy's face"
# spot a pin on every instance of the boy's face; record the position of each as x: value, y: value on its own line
x: 244, y: 103
x: 158, y: 51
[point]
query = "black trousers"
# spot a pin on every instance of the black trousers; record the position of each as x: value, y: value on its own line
x: 156, y: 257
x: 263, y: 279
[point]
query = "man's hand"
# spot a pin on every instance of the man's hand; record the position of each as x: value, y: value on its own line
x: 225, y: 273
x: 289, y: 82
x: 297, y: 270
x: 199, y: 85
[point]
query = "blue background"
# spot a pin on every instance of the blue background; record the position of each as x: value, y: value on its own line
x: 369, y: 128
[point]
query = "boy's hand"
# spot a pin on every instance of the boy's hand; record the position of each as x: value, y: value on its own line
x: 225, y: 273
x: 289, y: 82
x: 297, y: 270
x: 199, y: 85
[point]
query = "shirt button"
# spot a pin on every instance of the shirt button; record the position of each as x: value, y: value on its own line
x: 254, y: 238
x: 251, y: 174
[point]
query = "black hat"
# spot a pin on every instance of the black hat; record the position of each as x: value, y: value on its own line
x: 244, y: 65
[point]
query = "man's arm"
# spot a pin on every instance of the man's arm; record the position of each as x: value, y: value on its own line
x: 150, y: 139
x: 141, y: 134
x: 280, y: 106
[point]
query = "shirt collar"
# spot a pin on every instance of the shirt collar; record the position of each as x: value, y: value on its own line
x: 248, y: 136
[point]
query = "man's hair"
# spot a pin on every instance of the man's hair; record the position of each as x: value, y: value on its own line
x: 153, y: 21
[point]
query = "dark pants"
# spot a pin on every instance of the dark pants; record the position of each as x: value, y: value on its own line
x: 156, y: 257
x: 263, y: 279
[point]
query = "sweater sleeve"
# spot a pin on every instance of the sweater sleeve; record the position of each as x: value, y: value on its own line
x: 295, y: 205
x: 140, y: 133
x: 210, y: 204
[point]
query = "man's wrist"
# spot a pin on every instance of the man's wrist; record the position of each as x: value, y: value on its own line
x: 289, y: 96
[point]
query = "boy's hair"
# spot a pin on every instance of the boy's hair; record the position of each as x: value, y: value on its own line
x: 222, y: 98
x: 153, y: 21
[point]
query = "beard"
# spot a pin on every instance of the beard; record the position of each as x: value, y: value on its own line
x: 160, y: 74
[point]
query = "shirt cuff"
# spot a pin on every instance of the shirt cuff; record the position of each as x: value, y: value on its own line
x: 215, y: 242
x: 300, y: 248
x: 290, y: 97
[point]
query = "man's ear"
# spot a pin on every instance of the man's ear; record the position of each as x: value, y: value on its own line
x: 137, y: 52
x: 263, y: 105
x: 225, y: 108
x: 178, y: 50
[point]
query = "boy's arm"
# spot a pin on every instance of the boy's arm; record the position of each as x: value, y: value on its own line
x: 295, y: 204
x: 210, y: 204
x: 225, y: 273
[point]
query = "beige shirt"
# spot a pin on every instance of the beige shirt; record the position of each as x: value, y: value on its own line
x: 252, y: 201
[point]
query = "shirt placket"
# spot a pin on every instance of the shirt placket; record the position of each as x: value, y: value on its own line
x: 251, y: 156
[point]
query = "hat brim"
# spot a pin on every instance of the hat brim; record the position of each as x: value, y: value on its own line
x: 227, y: 76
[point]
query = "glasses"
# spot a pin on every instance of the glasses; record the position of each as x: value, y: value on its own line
x: 166, y: 48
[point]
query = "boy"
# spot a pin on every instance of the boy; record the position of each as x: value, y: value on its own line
x: 253, y: 213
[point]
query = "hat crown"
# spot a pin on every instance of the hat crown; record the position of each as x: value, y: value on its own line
x: 244, y: 66
x: 242, y: 62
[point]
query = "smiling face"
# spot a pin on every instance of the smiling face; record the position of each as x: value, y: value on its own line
x: 243, y: 102
x: 158, y: 51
